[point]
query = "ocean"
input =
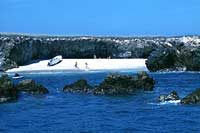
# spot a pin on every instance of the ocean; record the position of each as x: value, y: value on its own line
x: 67, y: 112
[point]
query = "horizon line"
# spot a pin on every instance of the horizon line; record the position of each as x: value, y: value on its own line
x: 80, y: 35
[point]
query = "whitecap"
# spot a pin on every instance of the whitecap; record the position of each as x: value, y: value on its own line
x: 171, y: 102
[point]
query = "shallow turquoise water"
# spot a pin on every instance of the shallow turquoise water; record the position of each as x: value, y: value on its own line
x: 62, y: 112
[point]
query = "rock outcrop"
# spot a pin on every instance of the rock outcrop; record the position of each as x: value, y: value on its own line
x: 193, y: 98
x: 8, y: 92
x: 144, y: 82
x: 80, y: 86
x: 162, y: 59
x: 177, y: 58
x: 31, y: 87
x: 116, y: 84
x: 169, y: 97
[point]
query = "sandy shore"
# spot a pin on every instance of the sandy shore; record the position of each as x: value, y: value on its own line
x: 93, y: 65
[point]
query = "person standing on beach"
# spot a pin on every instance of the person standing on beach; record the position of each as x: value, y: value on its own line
x: 86, y: 66
x: 76, y: 65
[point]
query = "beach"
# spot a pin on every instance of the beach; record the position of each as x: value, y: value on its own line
x: 84, y: 65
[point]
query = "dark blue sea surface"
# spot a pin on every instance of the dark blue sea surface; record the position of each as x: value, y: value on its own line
x: 65, y: 112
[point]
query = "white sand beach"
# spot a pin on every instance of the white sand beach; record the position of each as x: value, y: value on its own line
x: 92, y: 65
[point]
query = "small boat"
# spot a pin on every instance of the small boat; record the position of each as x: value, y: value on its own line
x: 54, y: 61
x: 17, y: 76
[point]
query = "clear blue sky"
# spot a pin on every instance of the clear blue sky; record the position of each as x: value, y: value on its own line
x: 101, y: 17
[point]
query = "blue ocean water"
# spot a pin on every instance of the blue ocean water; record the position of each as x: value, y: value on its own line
x: 65, y: 112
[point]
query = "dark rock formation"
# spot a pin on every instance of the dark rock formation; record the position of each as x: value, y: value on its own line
x: 171, y: 96
x: 80, y: 86
x: 193, y: 98
x: 144, y: 82
x: 190, y: 58
x: 164, y: 58
x: 116, y: 84
x: 31, y: 87
x: 175, y: 59
x: 7, y: 64
x: 7, y: 90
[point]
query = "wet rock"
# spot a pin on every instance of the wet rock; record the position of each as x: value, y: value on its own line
x: 193, y: 98
x: 80, y: 86
x: 144, y: 82
x: 31, y: 87
x: 116, y: 84
x: 190, y: 58
x: 163, y: 58
x: 7, y: 90
x: 174, y: 59
x: 170, y: 97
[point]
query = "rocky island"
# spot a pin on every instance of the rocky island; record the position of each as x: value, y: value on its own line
x: 192, y: 98
x: 9, y: 91
x: 114, y: 84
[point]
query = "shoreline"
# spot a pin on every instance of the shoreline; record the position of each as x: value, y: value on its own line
x: 93, y: 65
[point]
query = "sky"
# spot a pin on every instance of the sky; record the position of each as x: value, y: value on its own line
x: 101, y: 17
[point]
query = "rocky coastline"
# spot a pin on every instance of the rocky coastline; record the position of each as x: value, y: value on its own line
x: 162, y: 53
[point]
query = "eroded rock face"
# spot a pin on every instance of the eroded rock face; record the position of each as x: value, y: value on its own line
x: 7, y: 90
x: 163, y: 53
x: 80, y: 86
x: 7, y: 64
x: 190, y: 58
x: 193, y: 98
x: 116, y: 84
x: 31, y: 87
x: 17, y: 50
x: 170, y: 97
x: 175, y: 59
x: 161, y: 59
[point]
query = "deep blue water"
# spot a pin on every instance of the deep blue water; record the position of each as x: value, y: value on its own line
x: 64, y: 112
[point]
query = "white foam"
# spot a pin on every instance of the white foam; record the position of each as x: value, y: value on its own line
x: 171, y: 102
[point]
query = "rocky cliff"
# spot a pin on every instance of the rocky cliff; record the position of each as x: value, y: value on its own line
x: 18, y: 50
x: 182, y: 54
